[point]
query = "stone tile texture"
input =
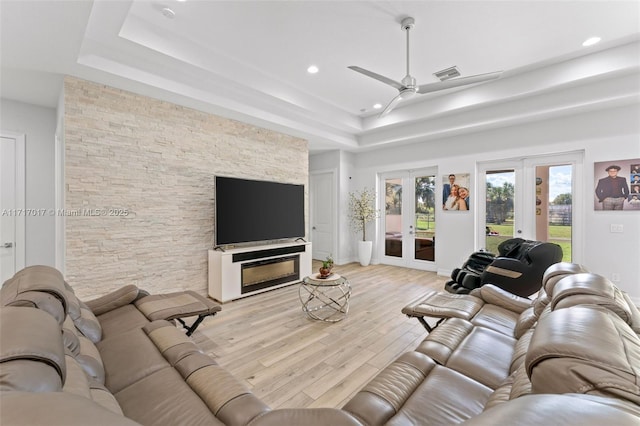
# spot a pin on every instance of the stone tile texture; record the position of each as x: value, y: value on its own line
x: 157, y: 161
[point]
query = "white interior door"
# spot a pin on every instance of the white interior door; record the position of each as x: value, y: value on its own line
x: 12, y: 219
x: 533, y: 199
x: 322, y: 214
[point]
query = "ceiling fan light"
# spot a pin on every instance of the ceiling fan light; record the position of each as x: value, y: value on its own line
x: 168, y: 13
x: 591, y: 41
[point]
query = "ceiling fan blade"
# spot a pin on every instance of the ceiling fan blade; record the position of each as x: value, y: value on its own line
x: 456, y: 82
x: 395, y: 101
x: 378, y: 77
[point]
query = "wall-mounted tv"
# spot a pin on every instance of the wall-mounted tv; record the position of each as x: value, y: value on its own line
x: 254, y: 211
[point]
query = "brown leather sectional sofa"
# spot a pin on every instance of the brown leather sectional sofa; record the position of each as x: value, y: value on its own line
x: 571, y: 356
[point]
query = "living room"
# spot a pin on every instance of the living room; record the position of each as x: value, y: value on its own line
x: 128, y: 140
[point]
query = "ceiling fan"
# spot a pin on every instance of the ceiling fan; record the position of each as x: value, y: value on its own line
x: 408, y: 87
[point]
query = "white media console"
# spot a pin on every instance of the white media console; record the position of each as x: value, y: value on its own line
x: 245, y: 271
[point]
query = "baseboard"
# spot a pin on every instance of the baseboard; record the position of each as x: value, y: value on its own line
x: 444, y: 272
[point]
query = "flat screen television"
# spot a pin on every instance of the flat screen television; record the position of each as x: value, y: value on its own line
x: 254, y: 211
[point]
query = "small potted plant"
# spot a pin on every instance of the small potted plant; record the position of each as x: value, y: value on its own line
x: 327, y: 266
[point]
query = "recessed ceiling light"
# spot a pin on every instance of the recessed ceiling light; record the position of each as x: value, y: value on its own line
x: 591, y: 41
x: 377, y: 106
x: 168, y: 13
x: 312, y: 69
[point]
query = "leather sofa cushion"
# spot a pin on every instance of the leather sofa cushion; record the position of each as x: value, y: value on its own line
x: 494, y: 295
x: 90, y: 360
x: 585, y: 349
x: 478, y: 352
x: 83, y: 350
x: 415, y: 390
x: 78, y: 383
x: 164, y: 398
x: 121, y: 320
x: 635, y: 314
x: 170, y: 341
x: 484, y: 356
x: 120, y: 297
x: 526, y: 320
x: 128, y: 358
x: 176, y: 305
x: 56, y: 408
x: 306, y: 417
x: 444, y: 305
x: 445, y: 397
x: 558, y: 410
x: 444, y: 339
x: 520, y: 351
x: 31, y: 351
x: 496, y: 318
x: 558, y: 271
x: 88, y: 324
x: 582, y: 289
x: 38, y: 286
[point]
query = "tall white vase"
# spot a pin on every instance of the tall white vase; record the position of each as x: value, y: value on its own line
x: 364, y: 252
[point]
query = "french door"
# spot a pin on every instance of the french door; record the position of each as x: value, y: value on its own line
x: 533, y: 199
x: 408, y: 236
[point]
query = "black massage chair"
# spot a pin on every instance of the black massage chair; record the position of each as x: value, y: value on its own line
x: 518, y: 267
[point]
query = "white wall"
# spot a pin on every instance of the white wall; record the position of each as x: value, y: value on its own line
x: 38, y: 124
x: 611, y: 134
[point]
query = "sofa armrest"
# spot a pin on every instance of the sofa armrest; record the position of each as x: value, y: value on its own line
x: 307, y: 417
x: 382, y: 397
x: 496, y: 296
x: 121, y: 297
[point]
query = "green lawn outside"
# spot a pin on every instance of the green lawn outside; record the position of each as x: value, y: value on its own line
x: 558, y: 234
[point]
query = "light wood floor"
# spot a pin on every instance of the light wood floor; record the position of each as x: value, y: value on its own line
x: 289, y: 360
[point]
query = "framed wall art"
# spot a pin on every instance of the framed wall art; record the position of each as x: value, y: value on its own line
x: 617, y: 185
x: 455, y: 192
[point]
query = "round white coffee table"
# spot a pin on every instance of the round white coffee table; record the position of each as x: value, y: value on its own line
x: 325, y: 299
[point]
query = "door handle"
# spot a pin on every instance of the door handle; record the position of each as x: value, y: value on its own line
x: 313, y: 227
x: 7, y: 245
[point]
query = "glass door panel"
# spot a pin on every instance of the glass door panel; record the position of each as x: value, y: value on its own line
x: 393, y: 218
x: 424, y: 218
x: 553, y: 208
x: 500, y: 203
x: 532, y: 198
x: 409, y: 219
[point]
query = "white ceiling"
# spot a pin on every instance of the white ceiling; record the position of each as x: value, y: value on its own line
x: 247, y: 60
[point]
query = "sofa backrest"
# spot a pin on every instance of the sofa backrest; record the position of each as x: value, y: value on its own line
x: 585, y: 349
x: 38, y: 286
x: 31, y: 351
x: 592, y: 289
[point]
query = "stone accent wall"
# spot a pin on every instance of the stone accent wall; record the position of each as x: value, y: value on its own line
x: 157, y: 161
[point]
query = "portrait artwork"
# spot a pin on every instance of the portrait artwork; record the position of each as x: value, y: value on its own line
x: 455, y: 192
x: 617, y: 185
